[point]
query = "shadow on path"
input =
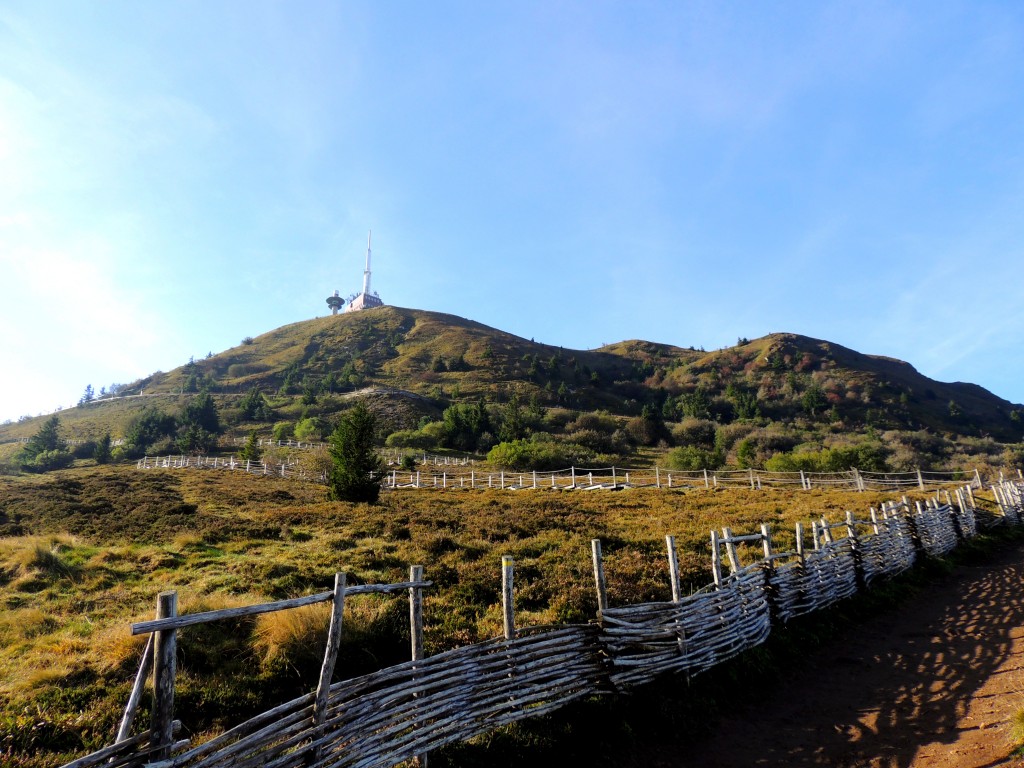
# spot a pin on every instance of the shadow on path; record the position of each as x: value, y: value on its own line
x: 903, y: 680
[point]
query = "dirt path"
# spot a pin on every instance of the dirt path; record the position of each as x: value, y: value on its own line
x: 933, y: 683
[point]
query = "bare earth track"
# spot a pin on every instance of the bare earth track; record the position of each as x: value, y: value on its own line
x: 935, y: 682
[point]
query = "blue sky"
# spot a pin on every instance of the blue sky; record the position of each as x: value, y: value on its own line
x: 177, y: 176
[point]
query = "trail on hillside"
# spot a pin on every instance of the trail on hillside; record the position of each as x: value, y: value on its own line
x: 934, y: 682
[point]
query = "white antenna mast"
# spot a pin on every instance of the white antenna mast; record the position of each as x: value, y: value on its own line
x: 366, y: 272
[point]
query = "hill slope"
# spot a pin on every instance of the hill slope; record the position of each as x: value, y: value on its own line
x: 419, y: 362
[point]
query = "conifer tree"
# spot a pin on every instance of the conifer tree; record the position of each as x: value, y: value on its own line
x: 358, y: 471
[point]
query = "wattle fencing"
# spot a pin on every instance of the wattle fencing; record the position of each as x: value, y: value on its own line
x: 457, y: 475
x: 405, y: 711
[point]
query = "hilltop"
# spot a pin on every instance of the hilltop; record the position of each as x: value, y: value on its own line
x: 777, y: 393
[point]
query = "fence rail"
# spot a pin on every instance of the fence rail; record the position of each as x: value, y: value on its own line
x: 579, y: 478
x: 407, y: 710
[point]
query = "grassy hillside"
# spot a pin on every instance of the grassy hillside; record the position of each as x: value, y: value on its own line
x: 746, y: 403
x: 83, y: 553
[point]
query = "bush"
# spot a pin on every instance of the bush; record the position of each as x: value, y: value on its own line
x: 867, y: 457
x: 309, y: 429
x: 44, y: 461
x: 531, y: 454
x: 282, y: 431
x: 46, y: 449
x: 696, y: 432
x: 146, y: 429
x: 411, y: 438
x: 690, y: 458
x: 84, y: 450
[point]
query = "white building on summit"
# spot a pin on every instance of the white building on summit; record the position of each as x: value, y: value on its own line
x: 365, y: 300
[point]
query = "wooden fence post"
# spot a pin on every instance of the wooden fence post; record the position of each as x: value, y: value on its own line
x: 769, y: 564
x: 602, y: 592
x: 416, y: 628
x: 507, y: 609
x: 673, y: 569
x: 165, y: 651
x: 331, y: 652
x: 136, y: 695
x: 858, y: 560
x: 730, y: 550
x: 416, y: 612
x: 800, y: 543
x: 920, y: 479
x: 716, y: 560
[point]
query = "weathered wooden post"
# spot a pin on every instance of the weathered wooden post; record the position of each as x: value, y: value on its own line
x: 730, y: 550
x: 416, y: 627
x: 330, y: 652
x: 165, y: 650
x: 769, y: 573
x: 673, y: 568
x: 800, y: 544
x: 657, y: 477
x: 602, y: 592
x: 803, y: 481
x: 573, y: 471
x: 507, y: 608
x: 706, y: 485
x: 416, y: 612
x: 125, y: 727
x: 677, y: 589
x: 858, y: 559
x: 716, y: 560
x: 614, y: 484
x: 920, y: 479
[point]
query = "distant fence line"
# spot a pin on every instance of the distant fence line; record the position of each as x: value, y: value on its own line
x: 390, y: 455
x: 405, y: 711
x: 577, y: 478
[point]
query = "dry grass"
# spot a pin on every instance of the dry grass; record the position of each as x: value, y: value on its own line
x: 74, y: 583
x: 283, y: 637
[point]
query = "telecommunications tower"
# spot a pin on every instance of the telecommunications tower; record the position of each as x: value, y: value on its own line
x: 365, y: 300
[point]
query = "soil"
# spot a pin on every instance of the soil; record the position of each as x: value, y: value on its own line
x: 935, y: 682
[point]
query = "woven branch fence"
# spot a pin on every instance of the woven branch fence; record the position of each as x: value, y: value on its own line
x: 405, y: 711
x: 577, y: 478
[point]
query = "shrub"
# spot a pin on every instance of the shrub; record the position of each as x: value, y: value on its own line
x: 868, y: 457
x: 696, y: 432
x: 691, y: 458
x: 309, y: 428
x: 531, y: 454
x: 46, y: 461
x: 282, y: 430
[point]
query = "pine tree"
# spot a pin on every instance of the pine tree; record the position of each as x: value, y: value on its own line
x: 358, y: 472
x: 252, y: 450
x: 102, y: 451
